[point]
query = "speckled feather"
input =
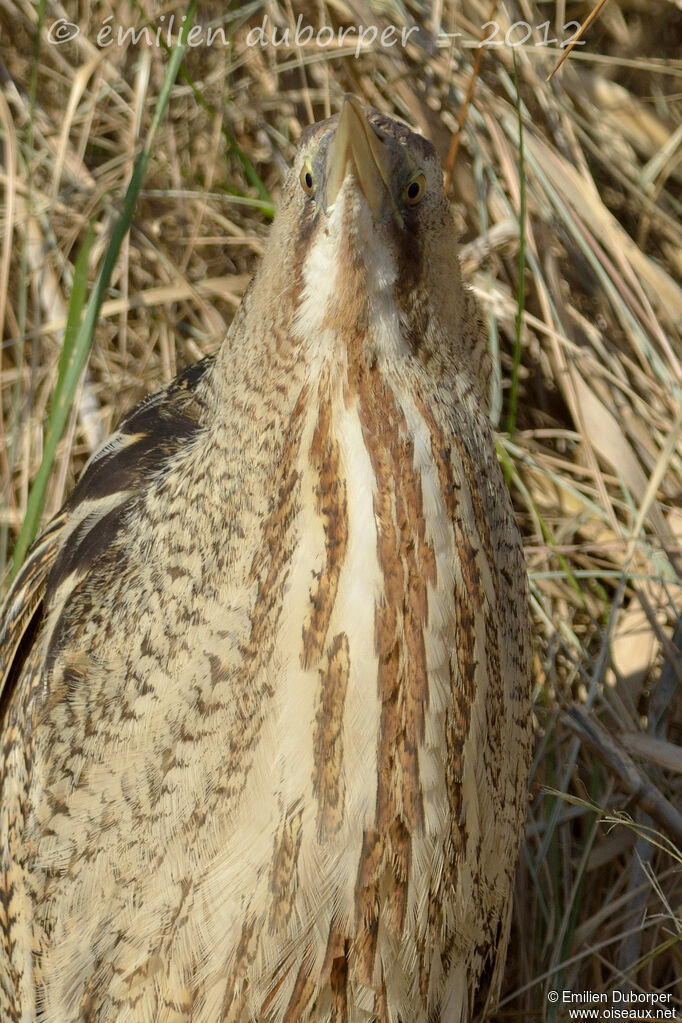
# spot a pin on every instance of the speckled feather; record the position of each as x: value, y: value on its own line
x: 266, y: 723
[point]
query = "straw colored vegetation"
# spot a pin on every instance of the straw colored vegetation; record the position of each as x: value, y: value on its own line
x: 583, y: 302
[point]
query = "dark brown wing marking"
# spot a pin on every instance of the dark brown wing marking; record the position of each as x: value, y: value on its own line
x: 21, y: 611
x: 95, y: 512
x: 145, y: 437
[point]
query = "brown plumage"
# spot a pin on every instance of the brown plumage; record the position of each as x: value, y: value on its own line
x: 265, y: 718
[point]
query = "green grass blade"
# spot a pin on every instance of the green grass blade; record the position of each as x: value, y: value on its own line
x: 79, y: 333
x: 71, y: 361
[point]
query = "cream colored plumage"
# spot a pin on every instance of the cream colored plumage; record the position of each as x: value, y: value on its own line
x: 266, y: 735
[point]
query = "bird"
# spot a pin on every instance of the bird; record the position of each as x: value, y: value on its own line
x: 266, y: 708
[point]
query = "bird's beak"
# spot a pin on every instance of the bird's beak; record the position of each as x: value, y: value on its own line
x: 357, y: 149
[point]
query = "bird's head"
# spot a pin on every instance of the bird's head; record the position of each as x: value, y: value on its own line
x: 365, y: 235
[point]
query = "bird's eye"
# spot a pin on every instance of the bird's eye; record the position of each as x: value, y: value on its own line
x: 307, y: 180
x: 414, y: 189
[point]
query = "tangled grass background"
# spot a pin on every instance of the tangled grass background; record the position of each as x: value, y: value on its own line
x: 568, y: 193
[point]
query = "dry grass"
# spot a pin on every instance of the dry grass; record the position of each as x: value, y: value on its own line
x: 595, y: 459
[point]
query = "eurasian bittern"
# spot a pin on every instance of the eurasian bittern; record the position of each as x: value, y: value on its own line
x: 266, y: 722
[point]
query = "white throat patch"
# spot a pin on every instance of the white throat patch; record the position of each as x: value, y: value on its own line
x: 320, y: 272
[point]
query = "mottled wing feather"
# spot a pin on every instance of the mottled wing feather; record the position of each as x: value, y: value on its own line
x: 147, y: 434
x: 79, y: 536
x: 22, y: 608
x: 143, y: 441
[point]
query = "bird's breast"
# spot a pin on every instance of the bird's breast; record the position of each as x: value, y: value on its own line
x: 369, y: 659
x: 360, y: 669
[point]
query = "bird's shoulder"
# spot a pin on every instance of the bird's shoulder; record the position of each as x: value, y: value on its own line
x: 141, y: 448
